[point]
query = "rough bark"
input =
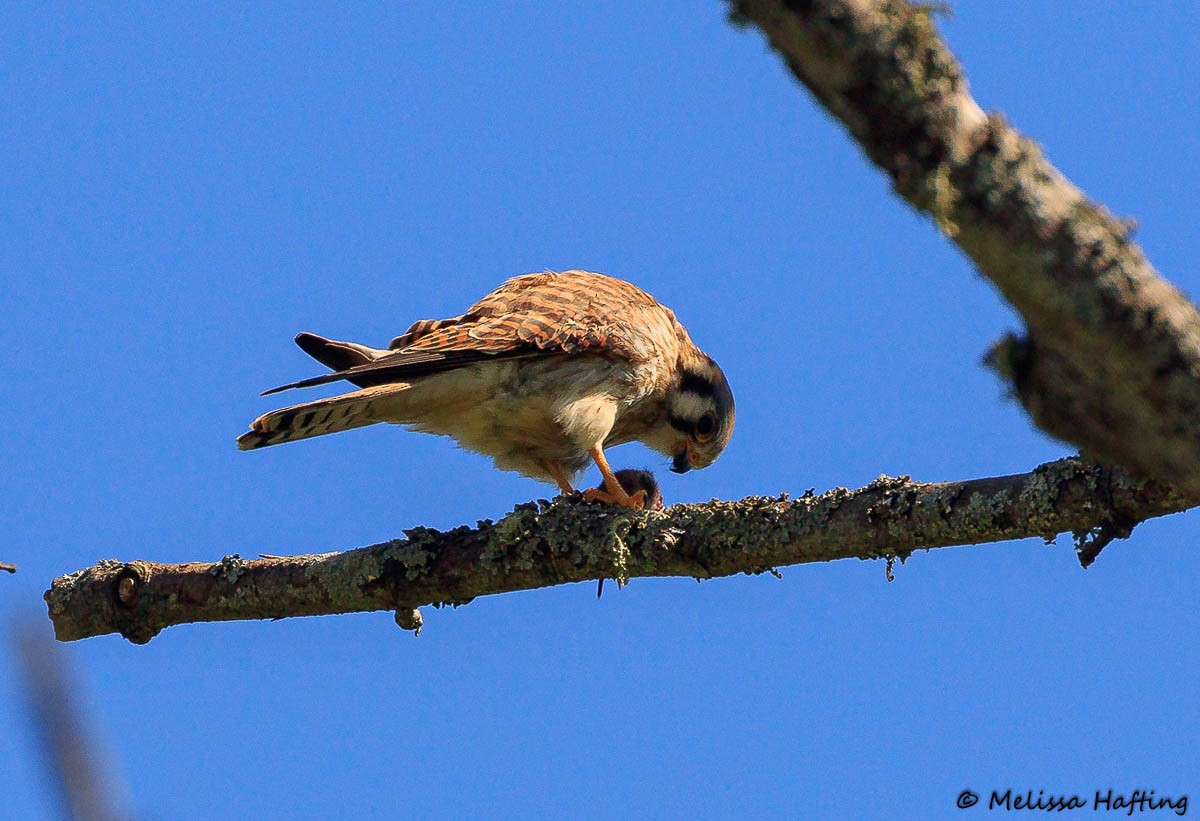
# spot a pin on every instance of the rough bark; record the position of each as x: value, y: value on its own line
x: 543, y: 544
x: 1111, y: 354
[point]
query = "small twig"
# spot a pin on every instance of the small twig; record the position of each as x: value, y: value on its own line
x: 1091, y: 543
x: 8, y: 568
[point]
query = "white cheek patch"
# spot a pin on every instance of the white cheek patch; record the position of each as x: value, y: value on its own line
x: 690, y: 406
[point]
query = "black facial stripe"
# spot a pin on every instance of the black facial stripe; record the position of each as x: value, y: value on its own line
x: 697, y: 384
x: 681, y: 425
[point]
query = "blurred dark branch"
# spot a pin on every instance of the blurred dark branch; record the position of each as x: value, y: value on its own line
x: 71, y: 758
x: 1110, y: 359
x: 8, y: 568
x: 544, y: 544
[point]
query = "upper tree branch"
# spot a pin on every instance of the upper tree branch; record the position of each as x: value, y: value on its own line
x: 542, y: 545
x: 1112, y: 354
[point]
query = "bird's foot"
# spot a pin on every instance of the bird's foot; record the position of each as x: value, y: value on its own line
x: 635, y: 501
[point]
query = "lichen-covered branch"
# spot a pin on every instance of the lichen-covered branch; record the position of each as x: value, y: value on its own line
x: 544, y: 544
x: 1111, y: 356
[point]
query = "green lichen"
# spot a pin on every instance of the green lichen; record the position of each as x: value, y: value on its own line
x: 1039, y: 495
x: 983, y: 512
x: 413, y: 553
x: 824, y: 506
x: 931, y: 512
x: 512, y: 542
x: 614, y: 543
x: 230, y: 568
x: 883, y: 482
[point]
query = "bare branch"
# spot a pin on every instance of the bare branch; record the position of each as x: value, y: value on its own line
x: 543, y: 544
x: 1112, y: 353
x: 8, y: 568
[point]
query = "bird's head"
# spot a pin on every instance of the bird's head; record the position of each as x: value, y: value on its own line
x: 700, y: 416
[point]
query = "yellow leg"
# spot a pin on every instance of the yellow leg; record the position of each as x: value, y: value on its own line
x: 612, y: 493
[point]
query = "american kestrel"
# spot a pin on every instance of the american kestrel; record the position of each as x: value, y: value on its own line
x: 541, y: 374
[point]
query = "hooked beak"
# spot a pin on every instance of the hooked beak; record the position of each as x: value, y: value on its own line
x: 681, y: 463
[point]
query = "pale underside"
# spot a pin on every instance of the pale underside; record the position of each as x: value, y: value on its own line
x: 525, y: 413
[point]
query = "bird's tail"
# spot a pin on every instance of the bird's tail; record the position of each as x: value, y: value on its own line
x: 338, y: 356
x: 319, y: 417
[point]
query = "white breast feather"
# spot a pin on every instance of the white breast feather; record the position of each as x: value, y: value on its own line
x: 520, y: 412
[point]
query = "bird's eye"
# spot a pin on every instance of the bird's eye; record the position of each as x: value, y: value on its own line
x: 706, y: 425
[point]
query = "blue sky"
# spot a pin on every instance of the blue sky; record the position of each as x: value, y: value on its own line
x: 185, y: 189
